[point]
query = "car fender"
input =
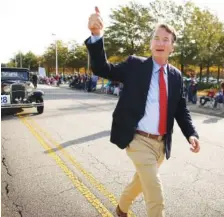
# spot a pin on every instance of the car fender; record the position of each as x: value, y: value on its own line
x: 37, y: 93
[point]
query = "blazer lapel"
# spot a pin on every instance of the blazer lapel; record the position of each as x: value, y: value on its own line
x: 147, y: 72
x: 170, y: 85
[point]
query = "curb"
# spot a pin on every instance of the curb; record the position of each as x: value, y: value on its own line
x: 192, y: 108
x: 206, y: 111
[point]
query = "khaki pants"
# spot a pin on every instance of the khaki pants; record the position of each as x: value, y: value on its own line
x: 147, y: 154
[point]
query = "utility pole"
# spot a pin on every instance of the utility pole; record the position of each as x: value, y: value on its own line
x: 15, y: 61
x: 56, y: 54
x: 21, y: 63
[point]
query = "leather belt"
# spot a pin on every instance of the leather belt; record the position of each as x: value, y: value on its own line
x: 149, y: 135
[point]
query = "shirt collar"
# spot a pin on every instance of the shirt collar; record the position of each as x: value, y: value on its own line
x: 156, y: 67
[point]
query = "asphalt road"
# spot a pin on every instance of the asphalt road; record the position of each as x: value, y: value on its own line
x: 62, y: 164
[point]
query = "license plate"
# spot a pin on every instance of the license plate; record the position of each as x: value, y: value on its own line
x: 5, y: 99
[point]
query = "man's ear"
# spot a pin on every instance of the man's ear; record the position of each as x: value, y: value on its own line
x: 172, y: 50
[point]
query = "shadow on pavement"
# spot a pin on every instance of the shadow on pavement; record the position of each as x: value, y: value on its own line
x: 59, y: 94
x: 212, y: 120
x: 93, y: 107
x: 12, y: 113
x: 81, y: 140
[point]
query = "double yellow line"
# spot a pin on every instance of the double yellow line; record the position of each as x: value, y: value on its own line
x: 35, y: 129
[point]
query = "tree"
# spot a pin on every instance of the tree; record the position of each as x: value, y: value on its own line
x: 17, y: 60
x: 77, y: 57
x: 30, y: 60
x: 50, y: 55
x: 207, y: 30
x: 168, y: 12
x: 219, y: 55
x: 71, y: 60
x: 49, y: 58
x: 4, y: 65
x: 131, y: 26
x: 62, y: 55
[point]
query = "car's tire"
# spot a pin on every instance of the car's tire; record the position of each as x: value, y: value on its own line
x: 40, y: 109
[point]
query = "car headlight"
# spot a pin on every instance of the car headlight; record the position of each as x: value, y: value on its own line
x: 7, y: 89
x: 29, y: 89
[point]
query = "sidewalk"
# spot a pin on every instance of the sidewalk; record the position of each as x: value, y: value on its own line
x: 206, y: 110
x: 193, y: 108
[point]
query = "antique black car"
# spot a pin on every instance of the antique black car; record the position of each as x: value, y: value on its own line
x: 18, y: 92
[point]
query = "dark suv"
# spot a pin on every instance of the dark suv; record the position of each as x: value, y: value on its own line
x: 18, y: 92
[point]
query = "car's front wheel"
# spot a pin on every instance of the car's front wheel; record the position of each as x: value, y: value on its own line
x: 40, y: 109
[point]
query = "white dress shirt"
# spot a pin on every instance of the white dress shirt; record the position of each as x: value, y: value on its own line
x: 150, y: 121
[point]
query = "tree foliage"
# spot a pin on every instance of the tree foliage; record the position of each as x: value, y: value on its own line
x: 200, y: 38
x: 130, y: 27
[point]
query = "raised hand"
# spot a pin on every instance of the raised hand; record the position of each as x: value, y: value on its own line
x: 95, y: 24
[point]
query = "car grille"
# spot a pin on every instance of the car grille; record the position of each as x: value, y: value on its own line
x: 18, y: 91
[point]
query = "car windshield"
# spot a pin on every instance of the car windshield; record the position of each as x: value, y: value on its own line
x: 23, y: 75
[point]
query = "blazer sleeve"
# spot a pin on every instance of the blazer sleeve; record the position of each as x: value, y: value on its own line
x: 100, y: 65
x: 183, y: 117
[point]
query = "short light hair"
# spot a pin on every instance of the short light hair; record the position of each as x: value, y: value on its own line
x: 168, y: 28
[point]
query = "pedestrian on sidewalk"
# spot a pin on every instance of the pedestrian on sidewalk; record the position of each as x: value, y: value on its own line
x: 219, y: 98
x: 34, y: 80
x: 194, y: 90
x: 152, y: 97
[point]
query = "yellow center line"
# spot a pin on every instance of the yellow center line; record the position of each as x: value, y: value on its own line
x: 78, y: 184
x: 99, y: 186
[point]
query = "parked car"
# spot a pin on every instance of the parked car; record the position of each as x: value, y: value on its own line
x: 17, y: 90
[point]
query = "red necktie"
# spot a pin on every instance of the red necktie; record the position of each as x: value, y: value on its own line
x: 162, y: 103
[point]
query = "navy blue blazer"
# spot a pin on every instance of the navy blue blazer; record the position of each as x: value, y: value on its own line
x: 135, y: 73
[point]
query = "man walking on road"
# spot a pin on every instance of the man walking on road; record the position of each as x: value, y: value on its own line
x: 143, y: 119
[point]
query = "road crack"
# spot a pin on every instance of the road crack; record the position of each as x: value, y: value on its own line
x: 19, y: 209
x: 61, y: 192
x: 7, y: 188
x: 98, y: 162
x: 4, y: 163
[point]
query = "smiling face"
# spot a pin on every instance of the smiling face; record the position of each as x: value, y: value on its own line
x: 162, y: 45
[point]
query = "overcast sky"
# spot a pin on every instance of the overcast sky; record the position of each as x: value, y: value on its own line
x: 29, y: 24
